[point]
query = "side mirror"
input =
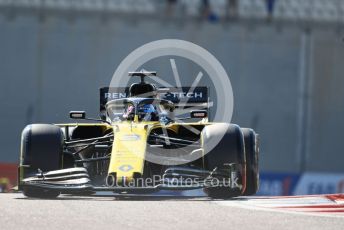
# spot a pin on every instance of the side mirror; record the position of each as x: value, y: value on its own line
x: 198, y: 114
x: 77, y: 114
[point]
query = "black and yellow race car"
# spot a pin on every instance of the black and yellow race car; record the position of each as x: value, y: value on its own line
x: 140, y: 144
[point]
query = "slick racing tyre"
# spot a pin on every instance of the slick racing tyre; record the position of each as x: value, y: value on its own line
x: 252, y: 170
x: 229, y: 150
x: 41, y: 149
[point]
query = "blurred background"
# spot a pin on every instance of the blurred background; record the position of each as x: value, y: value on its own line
x: 285, y: 59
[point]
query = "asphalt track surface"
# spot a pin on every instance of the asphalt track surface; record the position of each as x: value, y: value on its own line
x: 151, y: 212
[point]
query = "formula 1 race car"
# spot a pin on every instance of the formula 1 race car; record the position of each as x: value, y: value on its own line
x: 140, y: 144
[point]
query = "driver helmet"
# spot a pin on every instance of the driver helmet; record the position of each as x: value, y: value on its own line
x: 148, y: 112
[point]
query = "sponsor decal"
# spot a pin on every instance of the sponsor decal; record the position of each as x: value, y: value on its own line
x: 112, y: 96
x: 277, y: 184
x: 125, y: 168
x: 320, y: 183
x: 308, y: 183
x: 130, y: 137
x: 198, y: 95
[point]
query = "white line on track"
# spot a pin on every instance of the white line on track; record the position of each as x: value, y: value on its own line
x: 281, y: 205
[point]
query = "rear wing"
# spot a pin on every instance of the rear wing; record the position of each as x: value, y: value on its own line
x: 196, y: 99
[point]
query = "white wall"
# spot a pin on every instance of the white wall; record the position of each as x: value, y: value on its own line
x: 49, y: 68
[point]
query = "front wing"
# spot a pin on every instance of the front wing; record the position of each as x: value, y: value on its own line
x: 77, y: 180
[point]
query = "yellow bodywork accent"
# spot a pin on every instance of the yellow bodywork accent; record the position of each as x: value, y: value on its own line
x: 129, y: 144
x: 128, y: 150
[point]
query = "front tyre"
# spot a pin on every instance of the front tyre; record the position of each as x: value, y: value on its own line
x: 230, y: 149
x: 252, y: 170
x: 41, y: 149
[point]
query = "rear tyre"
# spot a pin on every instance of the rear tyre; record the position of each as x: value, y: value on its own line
x: 41, y: 148
x: 230, y: 149
x: 252, y: 170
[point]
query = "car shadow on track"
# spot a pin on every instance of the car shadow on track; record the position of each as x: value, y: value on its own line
x: 122, y: 197
x: 133, y: 197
